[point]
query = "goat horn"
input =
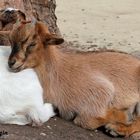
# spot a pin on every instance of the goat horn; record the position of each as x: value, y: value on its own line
x: 34, y: 21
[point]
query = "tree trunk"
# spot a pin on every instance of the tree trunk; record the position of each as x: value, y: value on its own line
x: 43, y: 10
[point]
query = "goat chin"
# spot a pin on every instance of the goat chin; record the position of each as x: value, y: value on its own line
x: 21, y: 100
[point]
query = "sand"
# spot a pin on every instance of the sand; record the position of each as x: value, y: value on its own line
x: 101, y: 23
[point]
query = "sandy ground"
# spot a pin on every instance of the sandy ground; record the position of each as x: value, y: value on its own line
x: 88, y: 24
x: 101, y: 23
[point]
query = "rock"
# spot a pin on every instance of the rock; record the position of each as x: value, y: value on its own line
x: 42, y: 134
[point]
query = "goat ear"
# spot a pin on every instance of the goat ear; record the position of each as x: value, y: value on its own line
x: 4, y: 34
x: 46, y: 37
x: 21, y: 15
x: 54, y: 41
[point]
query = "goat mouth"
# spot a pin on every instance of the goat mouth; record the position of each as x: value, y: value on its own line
x: 17, y: 69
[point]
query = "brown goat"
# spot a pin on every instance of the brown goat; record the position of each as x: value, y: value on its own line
x: 93, y: 89
x: 8, y: 18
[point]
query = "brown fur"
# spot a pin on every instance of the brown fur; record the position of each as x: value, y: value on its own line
x: 125, y: 130
x: 92, y: 88
x: 7, y: 20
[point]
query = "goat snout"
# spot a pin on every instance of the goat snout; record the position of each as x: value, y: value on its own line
x: 11, y: 62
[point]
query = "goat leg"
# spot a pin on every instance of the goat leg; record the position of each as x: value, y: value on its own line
x: 124, y: 130
x: 112, y: 116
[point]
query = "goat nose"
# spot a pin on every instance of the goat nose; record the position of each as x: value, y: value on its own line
x: 11, y: 62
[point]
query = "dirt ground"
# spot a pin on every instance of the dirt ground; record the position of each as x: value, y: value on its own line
x: 88, y: 24
x: 55, y: 129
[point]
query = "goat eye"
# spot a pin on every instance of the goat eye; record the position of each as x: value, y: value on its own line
x: 31, y: 46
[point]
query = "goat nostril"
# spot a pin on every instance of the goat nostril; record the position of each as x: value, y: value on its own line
x: 11, y: 62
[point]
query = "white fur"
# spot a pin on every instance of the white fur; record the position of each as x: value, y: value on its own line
x: 21, y: 100
x: 11, y: 9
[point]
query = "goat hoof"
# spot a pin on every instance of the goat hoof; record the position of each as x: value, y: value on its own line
x: 135, y: 136
x: 36, y: 123
x: 112, y: 130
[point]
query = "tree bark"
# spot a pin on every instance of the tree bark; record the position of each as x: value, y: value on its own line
x: 43, y: 10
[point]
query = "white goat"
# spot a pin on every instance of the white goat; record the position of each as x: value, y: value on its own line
x: 21, y: 102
